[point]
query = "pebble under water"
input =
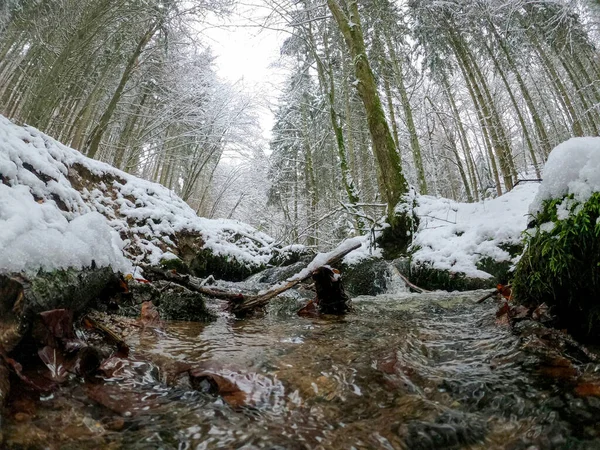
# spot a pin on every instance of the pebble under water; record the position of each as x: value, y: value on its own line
x: 402, y: 371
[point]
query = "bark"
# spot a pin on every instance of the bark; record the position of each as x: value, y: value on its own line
x: 481, y: 116
x: 520, y: 117
x: 463, y: 139
x: 391, y: 180
x: 541, y: 132
x: 408, y: 116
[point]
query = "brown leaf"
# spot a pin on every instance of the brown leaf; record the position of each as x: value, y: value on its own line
x: 505, y: 291
x: 218, y: 385
x: 590, y: 389
x: 149, y: 316
x: 309, y: 310
x: 124, y: 287
x: 59, y: 323
x: 558, y: 367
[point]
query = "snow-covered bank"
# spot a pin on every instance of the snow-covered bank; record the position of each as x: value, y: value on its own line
x: 61, y: 209
x: 456, y: 236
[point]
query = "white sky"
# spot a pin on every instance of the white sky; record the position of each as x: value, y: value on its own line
x: 246, y: 53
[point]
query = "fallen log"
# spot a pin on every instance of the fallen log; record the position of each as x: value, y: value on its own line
x: 156, y: 273
x: 243, y: 305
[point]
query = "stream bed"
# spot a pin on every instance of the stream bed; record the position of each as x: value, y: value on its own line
x: 402, y: 371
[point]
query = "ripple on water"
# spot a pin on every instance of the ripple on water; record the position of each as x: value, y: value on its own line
x: 403, y: 371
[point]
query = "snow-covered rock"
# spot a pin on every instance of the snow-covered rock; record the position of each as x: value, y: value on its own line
x: 573, y: 168
x: 456, y: 236
x: 560, y: 266
x: 60, y: 209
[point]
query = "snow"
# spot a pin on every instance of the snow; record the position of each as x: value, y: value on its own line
x: 455, y: 236
x: 322, y: 258
x: 61, y: 209
x: 573, y: 167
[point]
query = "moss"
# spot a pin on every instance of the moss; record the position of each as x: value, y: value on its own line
x: 173, y: 302
x: 221, y: 267
x: 500, y: 270
x: 396, y: 238
x: 288, y: 257
x: 175, y: 264
x: 430, y: 278
x: 561, y: 265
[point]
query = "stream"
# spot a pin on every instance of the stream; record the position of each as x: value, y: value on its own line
x: 402, y: 371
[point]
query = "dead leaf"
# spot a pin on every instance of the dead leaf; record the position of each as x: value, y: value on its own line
x: 59, y: 322
x: 215, y: 384
x: 149, y: 316
x: 589, y: 389
x: 309, y: 310
x: 505, y: 291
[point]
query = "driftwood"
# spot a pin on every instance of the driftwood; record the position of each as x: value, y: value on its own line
x: 244, y: 305
x: 412, y: 286
x: 241, y: 304
x: 331, y: 297
x: 191, y: 283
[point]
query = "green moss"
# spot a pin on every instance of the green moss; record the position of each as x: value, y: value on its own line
x: 173, y: 302
x: 430, y: 278
x: 175, y: 264
x: 221, y: 267
x: 498, y: 269
x: 396, y: 238
x: 561, y: 265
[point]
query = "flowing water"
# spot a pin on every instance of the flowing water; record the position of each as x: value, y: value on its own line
x: 402, y: 371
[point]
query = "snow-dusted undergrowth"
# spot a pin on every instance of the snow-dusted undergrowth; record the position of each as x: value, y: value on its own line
x: 455, y: 236
x: 61, y: 209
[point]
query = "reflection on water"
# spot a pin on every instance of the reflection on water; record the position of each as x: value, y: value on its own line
x: 402, y: 371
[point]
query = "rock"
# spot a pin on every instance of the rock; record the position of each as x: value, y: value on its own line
x: 206, y: 263
x: 367, y: 277
x: 395, y: 239
x: 173, y: 302
x: 430, y: 278
x: 22, y: 298
x: 274, y: 275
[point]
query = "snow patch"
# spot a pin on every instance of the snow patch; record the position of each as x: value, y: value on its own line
x: 456, y: 236
x: 573, y: 167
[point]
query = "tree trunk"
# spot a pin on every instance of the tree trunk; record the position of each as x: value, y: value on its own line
x: 391, y: 180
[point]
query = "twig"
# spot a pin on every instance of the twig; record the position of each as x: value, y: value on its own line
x: 485, y: 297
x: 414, y: 287
x: 533, y: 180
